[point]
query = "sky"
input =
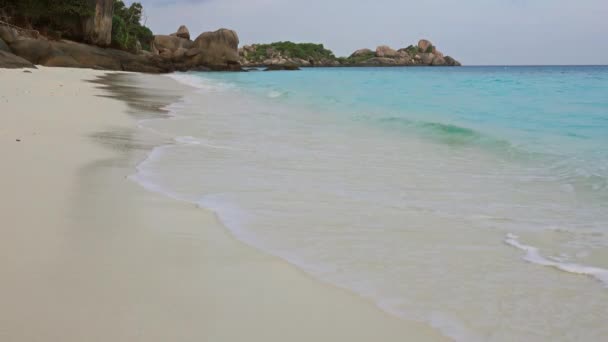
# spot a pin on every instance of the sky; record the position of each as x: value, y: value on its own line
x: 475, y: 32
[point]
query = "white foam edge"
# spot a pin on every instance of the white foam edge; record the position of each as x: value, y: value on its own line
x: 533, y: 256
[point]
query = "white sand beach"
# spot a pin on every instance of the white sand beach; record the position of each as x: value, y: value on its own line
x: 88, y: 255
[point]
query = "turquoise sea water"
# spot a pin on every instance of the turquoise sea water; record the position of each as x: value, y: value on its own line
x: 557, y: 111
x: 474, y: 199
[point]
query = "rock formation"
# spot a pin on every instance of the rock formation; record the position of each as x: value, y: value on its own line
x: 362, y: 53
x: 214, y: 50
x: 282, y: 67
x: 98, y: 27
x: 425, y: 53
x: 217, y: 48
x: 11, y: 61
x: 286, y: 53
x: 424, y: 45
x: 210, y: 51
x: 182, y: 32
x: 386, y: 51
x: 3, y: 46
x: 282, y: 53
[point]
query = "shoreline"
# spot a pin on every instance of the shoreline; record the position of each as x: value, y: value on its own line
x: 91, y: 255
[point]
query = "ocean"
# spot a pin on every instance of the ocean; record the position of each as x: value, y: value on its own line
x: 473, y: 199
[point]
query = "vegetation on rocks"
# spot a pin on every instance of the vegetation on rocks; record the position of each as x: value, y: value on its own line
x: 127, y: 28
x: 359, y: 58
x: 305, y: 51
x: 412, y: 50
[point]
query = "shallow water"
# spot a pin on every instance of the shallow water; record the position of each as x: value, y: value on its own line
x: 473, y: 199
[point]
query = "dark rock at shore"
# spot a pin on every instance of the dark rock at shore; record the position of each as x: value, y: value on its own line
x: 210, y: 51
x: 449, y: 61
x: 282, y: 67
x: 8, y: 34
x: 11, y: 61
x: 75, y: 55
x: 3, y: 46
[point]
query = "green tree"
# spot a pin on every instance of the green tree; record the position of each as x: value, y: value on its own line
x: 53, y: 11
x: 127, y: 29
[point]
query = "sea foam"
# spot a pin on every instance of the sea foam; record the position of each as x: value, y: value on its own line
x: 533, y: 256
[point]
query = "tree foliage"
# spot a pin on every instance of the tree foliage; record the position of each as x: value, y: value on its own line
x: 306, y: 51
x: 34, y: 10
x: 61, y: 17
x: 127, y: 28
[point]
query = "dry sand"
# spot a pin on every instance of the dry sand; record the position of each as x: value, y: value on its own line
x: 88, y: 255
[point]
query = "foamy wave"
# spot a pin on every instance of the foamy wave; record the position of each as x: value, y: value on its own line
x: 275, y: 94
x: 533, y: 255
x: 199, y: 82
x: 187, y: 140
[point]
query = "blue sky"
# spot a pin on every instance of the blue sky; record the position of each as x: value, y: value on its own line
x: 472, y: 31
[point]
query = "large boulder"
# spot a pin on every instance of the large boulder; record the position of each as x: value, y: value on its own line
x: 8, y: 34
x: 386, y: 51
x: 3, y: 46
x: 62, y: 60
x: 36, y: 51
x: 427, y: 58
x: 98, y: 27
x: 362, y: 52
x: 183, y: 32
x: 438, y: 61
x: 449, y: 61
x: 424, y: 46
x: 75, y: 55
x: 11, y: 61
x: 404, y: 59
x: 217, y: 50
x: 171, y: 43
x: 380, y: 61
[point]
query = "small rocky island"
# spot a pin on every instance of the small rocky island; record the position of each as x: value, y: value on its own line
x: 108, y: 35
x: 308, y: 55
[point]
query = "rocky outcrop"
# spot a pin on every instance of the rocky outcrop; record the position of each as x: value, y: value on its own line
x: 3, y: 46
x: 281, y: 53
x: 98, y: 27
x: 362, y: 53
x: 8, y: 34
x: 171, y: 43
x: 282, y: 67
x: 214, y: 50
x: 386, y: 51
x: 449, y: 61
x: 426, y: 46
x: 11, y: 61
x: 286, y: 53
x: 424, y: 54
x: 75, y: 55
x: 210, y: 51
x: 182, y: 32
